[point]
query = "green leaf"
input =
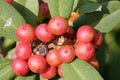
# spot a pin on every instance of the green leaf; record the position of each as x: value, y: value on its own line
x: 6, y: 73
x: 4, y: 62
x: 87, y: 19
x: 109, y: 22
x: 30, y: 76
x: 90, y: 7
x: 57, y: 77
x: 10, y: 19
x: 75, y: 5
x: 80, y: 70
x: 65, y: 7
x: 60, y: 7
x: 8, y: 44
x: 53, y: 7
x: 11, y: 54
x: 28, y: 9
x: 104, y: 20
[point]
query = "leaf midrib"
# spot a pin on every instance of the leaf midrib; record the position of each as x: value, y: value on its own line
x: 77, y: 71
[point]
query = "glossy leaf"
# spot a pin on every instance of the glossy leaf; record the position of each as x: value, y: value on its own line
x: 6, y: 73
x: 87, y: 19
x: 90, y: 7
x: 4, y: 62
x: 8, y: 44
x: 10, y: 19
x: 104, y: 20
x: 80, y: 70
x: 27, y: 77
x: 11, y: 54
x: 57, y: 77
x: 109, y: 22
x: 65, y: 7
x: 28, y: 9
x: 75, y: 5
x: 60, y: 7
x: 53, y: 7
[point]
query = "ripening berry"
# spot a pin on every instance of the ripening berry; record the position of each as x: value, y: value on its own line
x: 84, y: 51
x: 42, y: 32
x: 66, y: 53
x: 49, y: 73
x: 52, y: 57
x: 58, y: 25
x: 44, y: 10
x: 97, y: 41
x: 23, y: 51
x: 70, y: 34
x: 94, y: 62
x: 37, y: 63
x: 25, y: 33
x: 19, y: 67
x: 60, y: 71
x: 85, y: 33
x: 9, y: 1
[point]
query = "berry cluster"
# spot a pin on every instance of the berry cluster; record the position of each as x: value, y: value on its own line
x: 44, y: 49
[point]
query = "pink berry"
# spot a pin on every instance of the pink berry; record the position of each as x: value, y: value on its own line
x: 85, y: 33
x: 25, y: 33
x: 52, y: 58
x: 37, y: 63
x: 85, y: 51
x: 44, y: 10
x: 66, y: 53
x: 19, y: 67
x: 49, y: 73
x: 97, y: 41
x: 60, y: 71
x: 23, y: 51
x: 9, y: 1
x: 42, y: 32
x: 58, y: 25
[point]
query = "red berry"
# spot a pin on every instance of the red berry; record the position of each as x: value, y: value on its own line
x: 66, y: 53
x: 43, y: 33
x: 19, y: 67
x: 97, y: 41
x: 60, y: 71
x: 23, y: 51
x: 68, y: 42
x: 84, y: 51
x: 49, y: 73
x: 70, y: 33
x: 37, y: 63
x: 44, y: 10
x: 58, y: 25
x: 85, y: 33
x: 52, y: 58
x: 9, y: 1
x: 94, y: 62
x: 25, y: 33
